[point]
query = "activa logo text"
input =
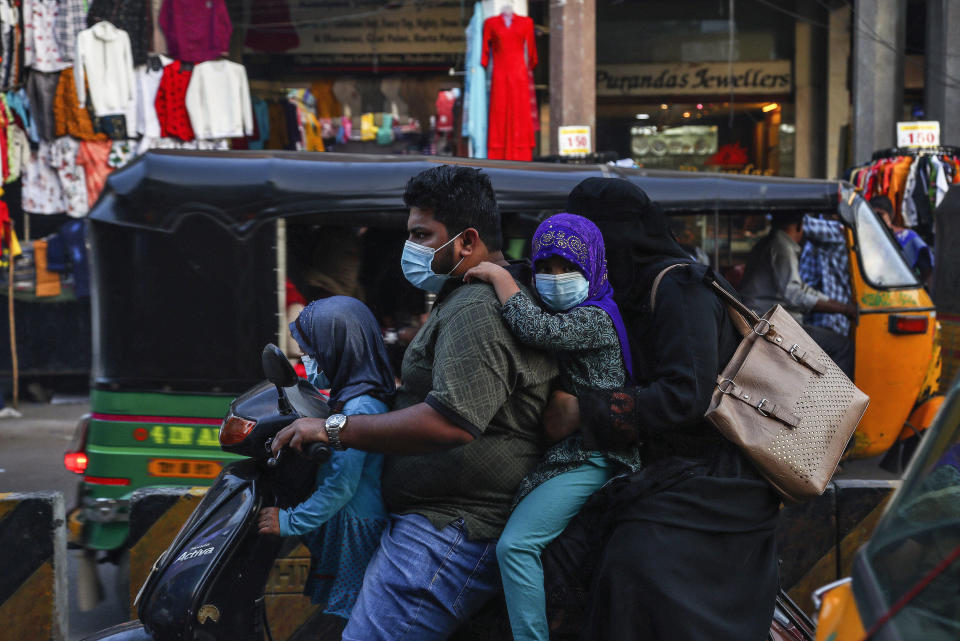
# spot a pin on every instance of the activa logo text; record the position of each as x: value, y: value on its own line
x: 197, y: 550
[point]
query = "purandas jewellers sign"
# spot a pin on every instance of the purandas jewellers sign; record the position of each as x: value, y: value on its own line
x: 773, y: 77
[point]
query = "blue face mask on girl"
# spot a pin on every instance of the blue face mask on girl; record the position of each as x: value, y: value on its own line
x: 561, y: 292
x: 315, y: 377
x: 417, y: 264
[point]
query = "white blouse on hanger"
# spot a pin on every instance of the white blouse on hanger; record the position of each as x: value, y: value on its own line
x: 104, y: 60
x: 218, y: 100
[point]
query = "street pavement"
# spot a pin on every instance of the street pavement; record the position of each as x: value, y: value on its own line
x: 31, y: 460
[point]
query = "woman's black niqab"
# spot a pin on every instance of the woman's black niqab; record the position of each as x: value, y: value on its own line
x: 634, y: 221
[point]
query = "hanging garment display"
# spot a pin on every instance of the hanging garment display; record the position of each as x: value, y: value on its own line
x: 508, y: 42
x: 9, y: 45
x: 73, y: 180
x: 271, y: 29
x: 218, y: 100
x: 41, y: 186
x: 149, y: 75
x: 40, y: 50
x: 131, y: 16
x: 18, y: 152
x: 104, y: 61
x: 42, y: 89
x: 915, y: 181
x: 94, y: 157
x: 475, y: 87
x: 71, y: 119
x: 19, y: 103
x: 70, y: 20
x: 171, y: 101
x: 195, y: 31
x: 261, y: 117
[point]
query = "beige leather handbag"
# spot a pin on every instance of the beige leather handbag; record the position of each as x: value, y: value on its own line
x: 782, y: 400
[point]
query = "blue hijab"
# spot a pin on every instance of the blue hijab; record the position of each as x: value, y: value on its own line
x: 343, y: 336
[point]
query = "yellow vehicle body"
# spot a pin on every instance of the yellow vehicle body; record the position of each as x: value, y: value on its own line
x: 904, y: 579
x: 899, y: 372
x: 839, y: 619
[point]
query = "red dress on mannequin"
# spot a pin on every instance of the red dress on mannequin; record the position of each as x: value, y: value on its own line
x: 510, y: 134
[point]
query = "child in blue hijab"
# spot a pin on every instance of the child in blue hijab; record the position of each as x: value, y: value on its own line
x: 342, y: 521
x: 583, y: 327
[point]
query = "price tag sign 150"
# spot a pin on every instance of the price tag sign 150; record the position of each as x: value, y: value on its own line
x: 922, y: 133
x: 574, y: 141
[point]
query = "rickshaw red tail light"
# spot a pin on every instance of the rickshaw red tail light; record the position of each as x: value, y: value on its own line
x: 235, y: 429
x: 75, y: 462
x: 903, y: 324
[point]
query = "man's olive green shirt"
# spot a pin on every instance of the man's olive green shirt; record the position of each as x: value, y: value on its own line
x: 467, y: 366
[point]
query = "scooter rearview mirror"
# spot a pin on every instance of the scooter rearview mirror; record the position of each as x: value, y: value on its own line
x: 276, y: 367
x: 280, y: 372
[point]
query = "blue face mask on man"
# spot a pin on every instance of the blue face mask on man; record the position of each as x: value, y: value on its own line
x: 314, y: 376
x: 417, y: 264
x: 561, y: 292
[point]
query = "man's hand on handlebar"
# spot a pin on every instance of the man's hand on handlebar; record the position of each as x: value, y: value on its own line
x: 301, y: 432
x: 269, y: 521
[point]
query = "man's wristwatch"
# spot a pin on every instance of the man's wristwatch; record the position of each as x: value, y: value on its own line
x: 334, y: 425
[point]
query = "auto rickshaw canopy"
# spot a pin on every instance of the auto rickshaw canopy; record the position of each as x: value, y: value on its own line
x: 241, y: 189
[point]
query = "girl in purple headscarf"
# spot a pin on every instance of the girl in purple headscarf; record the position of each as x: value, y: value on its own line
x: 582, y: 325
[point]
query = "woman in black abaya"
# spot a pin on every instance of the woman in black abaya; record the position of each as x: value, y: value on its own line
x: 690, y: 553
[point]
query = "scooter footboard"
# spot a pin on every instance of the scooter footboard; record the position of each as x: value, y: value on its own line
x: 129, y: 631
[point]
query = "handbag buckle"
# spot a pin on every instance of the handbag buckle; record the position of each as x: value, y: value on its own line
x: 760, y: 406
x: 793, y: 352
x: 764, y: 332
x: 724, y: 387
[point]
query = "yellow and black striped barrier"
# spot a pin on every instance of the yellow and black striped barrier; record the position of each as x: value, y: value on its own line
x: 157, y: 514
x: 33, y: 569
x: 817, y: 539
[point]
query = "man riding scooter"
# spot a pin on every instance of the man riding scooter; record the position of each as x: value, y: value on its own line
x: 446, y: 506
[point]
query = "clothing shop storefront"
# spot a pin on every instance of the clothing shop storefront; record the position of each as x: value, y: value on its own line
x: 670, y: 97
x: 410, y: 78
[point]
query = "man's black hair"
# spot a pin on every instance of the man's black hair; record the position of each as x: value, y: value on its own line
x: 881, y: 203
x: 784, y: 221
x: 459, y: 197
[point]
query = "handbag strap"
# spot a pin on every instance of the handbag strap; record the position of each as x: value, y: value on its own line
x: 764, y: 406
x: 745, y: 319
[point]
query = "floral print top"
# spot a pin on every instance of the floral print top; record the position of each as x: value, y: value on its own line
x: 41, y: 186
x: 587, y: 347
x: 73, y: 178
x: 40, y: 48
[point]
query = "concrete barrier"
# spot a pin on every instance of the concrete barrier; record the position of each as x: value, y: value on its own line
x: 156, y: 515
x: 33, y: 570
x: 817, y: 539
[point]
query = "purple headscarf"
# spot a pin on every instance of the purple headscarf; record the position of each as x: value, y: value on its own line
x: 579, y: 241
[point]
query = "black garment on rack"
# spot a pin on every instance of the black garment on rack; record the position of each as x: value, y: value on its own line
x: 921, y: 199
x: 133, y: 16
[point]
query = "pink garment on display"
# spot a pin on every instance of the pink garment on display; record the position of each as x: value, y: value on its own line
x: 445, y: 102
x: 93, y: 157
x: 196, y: 30
x: 510, y: 133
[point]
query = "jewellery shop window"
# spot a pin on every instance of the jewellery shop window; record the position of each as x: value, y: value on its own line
x: 714, y: 136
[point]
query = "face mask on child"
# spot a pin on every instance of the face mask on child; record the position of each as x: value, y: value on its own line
x: 561, y: 292
x: 315, y: 377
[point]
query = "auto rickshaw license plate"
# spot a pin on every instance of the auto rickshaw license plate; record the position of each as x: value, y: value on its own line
x: 183, y: 468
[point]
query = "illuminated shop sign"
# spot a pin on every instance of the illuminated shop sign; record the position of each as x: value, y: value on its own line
x: 773, y: 77
x: 372, y: 27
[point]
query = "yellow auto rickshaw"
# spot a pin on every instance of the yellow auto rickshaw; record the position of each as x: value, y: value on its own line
x: 903, y: 584
x: 896, y: 334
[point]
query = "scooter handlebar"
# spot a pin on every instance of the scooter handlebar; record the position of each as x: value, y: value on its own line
x: 317, y: 452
